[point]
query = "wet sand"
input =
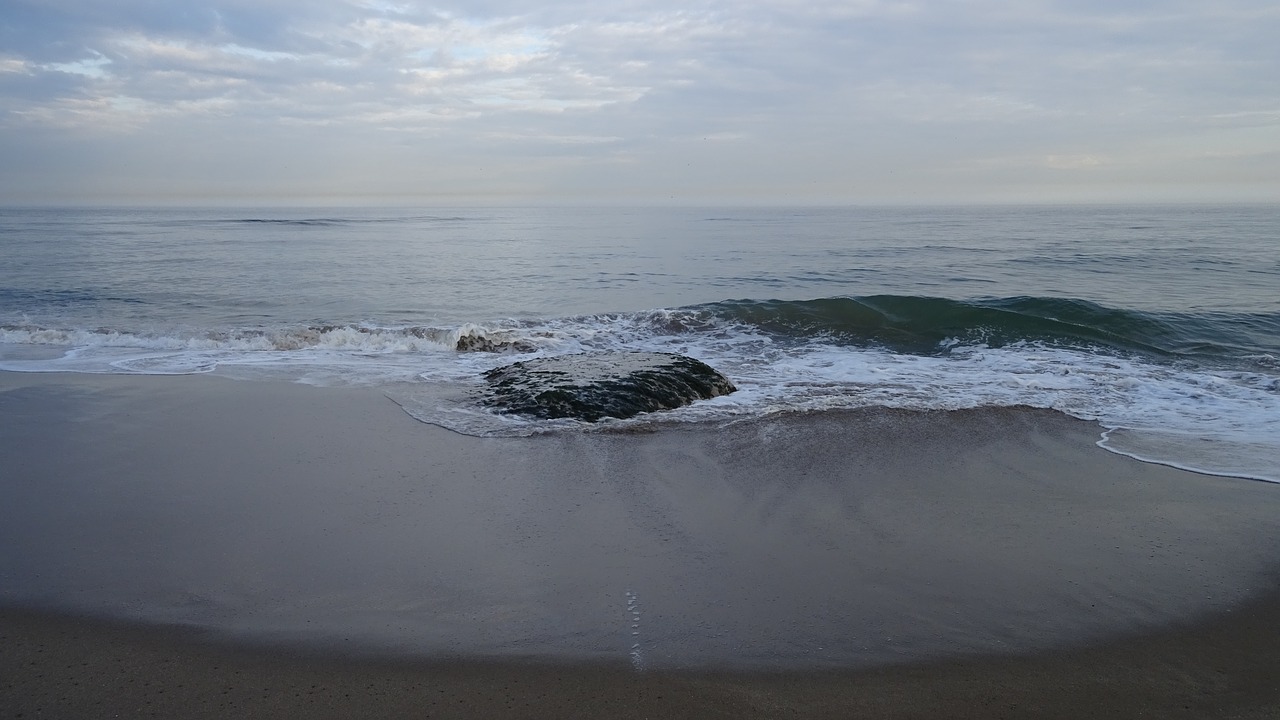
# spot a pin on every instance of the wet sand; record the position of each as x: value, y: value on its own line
x: 69, y: 667
x: 278, y: 550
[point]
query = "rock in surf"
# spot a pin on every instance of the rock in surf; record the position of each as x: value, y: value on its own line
x: 595, y: 386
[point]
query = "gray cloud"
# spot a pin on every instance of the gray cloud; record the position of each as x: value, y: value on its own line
x: 863, y: 100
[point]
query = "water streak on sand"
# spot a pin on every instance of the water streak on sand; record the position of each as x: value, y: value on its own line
x: 636, y: 653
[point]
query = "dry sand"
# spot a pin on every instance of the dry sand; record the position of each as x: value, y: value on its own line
x: 192, y: 547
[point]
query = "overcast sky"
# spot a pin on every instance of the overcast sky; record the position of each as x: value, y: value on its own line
x: 863, y: 101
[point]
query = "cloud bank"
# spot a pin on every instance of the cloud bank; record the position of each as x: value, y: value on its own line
x: 763, y: 102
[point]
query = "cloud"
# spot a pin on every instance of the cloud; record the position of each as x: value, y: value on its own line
x: 14, y: 65
x: 1074, y: 162
x: 845, y: 92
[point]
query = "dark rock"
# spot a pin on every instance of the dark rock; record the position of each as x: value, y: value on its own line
x: 481, y: 343
x: 599, y: 385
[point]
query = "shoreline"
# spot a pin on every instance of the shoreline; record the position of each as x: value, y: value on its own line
x: 958, y: 564
x: 55, y: 665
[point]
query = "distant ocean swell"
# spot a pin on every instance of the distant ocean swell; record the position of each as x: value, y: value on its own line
x: 1200, y: 391
x: 341, y: 221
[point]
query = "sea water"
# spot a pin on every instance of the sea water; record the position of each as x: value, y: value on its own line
x: 1161, y: 323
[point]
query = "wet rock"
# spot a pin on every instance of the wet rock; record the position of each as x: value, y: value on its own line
x: 599, y: 385
x: 481, y: 343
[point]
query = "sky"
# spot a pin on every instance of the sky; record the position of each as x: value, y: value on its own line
x: 567, y: 101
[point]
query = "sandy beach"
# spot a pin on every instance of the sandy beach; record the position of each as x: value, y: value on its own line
x: 200, y: 547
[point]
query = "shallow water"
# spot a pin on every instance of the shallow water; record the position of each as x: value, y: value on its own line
x: 1162, y: 323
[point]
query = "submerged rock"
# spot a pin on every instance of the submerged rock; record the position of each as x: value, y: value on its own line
x: 599, y: 385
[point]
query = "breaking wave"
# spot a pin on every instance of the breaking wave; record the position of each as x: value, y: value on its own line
x: 1200, y: 391
x: 930, y: 324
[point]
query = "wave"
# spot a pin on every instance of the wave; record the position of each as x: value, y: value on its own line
x: 63, y: 298
x: 359, y: 338
x: 903, y: 324
x: 332, y: 222
x: 931, y: 325
x: 300, y: 222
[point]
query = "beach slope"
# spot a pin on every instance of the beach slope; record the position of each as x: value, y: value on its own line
x: 198, y: 547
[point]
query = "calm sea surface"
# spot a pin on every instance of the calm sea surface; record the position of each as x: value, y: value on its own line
x: 1161, y: 323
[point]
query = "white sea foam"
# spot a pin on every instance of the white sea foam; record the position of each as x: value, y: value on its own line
x: 1233, y: 417
x: 1213, y: 420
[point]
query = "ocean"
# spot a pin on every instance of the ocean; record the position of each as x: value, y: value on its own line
x: 1160, y: 323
